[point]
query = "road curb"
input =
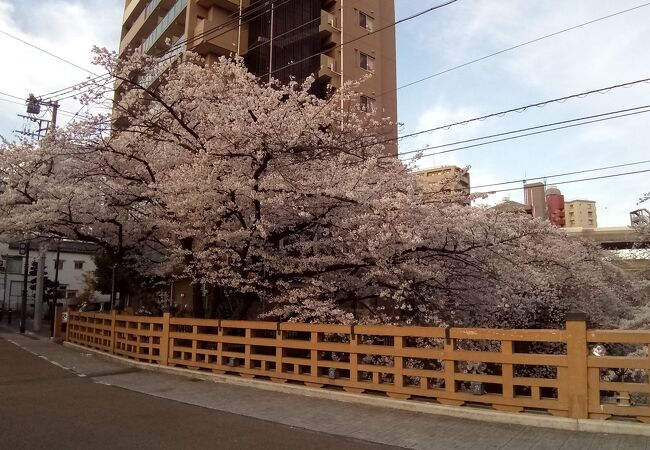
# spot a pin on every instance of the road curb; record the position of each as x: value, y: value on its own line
x: 460, y: 412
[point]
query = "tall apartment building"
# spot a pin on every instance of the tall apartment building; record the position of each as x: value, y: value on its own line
x: 278, y: 38
x: 581, y: 213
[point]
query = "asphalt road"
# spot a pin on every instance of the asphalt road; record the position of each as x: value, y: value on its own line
x: 44, y: 406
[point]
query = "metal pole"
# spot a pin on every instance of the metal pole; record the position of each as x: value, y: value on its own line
x: 56, y: 287
x: 4, y: 285
x: 271, y: 41
x: 113, y: 288
x: 342, y: 25
x: 55, y: 109
x: 239, y: 29
x: 23, y: 312
x: 40, y: 287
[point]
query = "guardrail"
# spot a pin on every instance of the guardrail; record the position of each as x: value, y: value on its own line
x: 509, y: 370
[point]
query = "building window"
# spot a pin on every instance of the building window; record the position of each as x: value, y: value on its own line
x: 61, y: 261
x: 70, y: 294
x: 367, y: 62
x: 590, y: 213
x: 366, y: 21
x: 367, y: 104
x: 14, y: 265
x: 78, y: 265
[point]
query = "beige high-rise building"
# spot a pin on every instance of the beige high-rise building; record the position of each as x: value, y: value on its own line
x: 278, y: 38
x: 581, y: 214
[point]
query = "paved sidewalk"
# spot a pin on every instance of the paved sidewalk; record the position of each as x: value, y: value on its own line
x: 367, y: 423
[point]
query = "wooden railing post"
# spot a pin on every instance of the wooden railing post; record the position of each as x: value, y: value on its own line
x: 164, y: 340
x: 113, y: 323
x: 450, y: 370
x: 578, y: 389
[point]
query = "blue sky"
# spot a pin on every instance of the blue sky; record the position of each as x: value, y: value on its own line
x: 602, y: 54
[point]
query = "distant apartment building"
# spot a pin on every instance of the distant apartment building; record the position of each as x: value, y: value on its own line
x: 581, y: 214
x: 445, y: 179
x: 278, y: 38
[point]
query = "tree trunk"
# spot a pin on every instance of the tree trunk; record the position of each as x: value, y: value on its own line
x: 198, y: 311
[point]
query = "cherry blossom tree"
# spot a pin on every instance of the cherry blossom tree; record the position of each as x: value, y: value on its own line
x: 293, y: 201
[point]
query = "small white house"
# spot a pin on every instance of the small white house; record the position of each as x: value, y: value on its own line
x: 75, y: 261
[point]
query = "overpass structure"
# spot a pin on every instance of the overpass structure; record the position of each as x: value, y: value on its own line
x: 611, y: 238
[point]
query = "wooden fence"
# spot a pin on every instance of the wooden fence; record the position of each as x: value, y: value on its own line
x: 555, y: 371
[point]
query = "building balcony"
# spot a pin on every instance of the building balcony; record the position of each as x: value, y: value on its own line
x: 328, y: 71
x: 132, y: 10
x: 229, y: 5
x: 147, y: 21
x: 328, y: 30
x: 172, y: 24
x: 219, y: 42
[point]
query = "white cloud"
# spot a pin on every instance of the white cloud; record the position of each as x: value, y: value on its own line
x: 65, y: 28
x: 598, y: 55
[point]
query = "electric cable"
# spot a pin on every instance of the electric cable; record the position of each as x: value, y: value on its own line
x: 514, y: 47
x: 235, y: 21
x: 12, y: 96
x: 529, y: 134
x: 519, y: 109
x: 521, y: 130
x: 597, y: 169
x: 385, y: 27
x: 62, y: 111
x: 602, y: 177
x: 48, y: 53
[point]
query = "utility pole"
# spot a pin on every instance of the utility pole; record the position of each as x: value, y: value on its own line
x: 40, y: 287
x: 4, y: 284
x: 44, y: 126
x: 113, y: 287
x: 271, y: 40
x: 24, y: 250
x: 56, y: 288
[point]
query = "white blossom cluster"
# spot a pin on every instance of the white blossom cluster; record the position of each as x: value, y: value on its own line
x: 266, y: 189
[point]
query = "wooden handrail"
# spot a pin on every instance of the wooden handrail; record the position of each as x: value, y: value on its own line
x: 402, y: 362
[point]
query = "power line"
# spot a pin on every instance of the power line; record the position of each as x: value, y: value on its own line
x: 48, y: 53
x: 520, y: 109
x: 391, y: 25
x: 12, y: 96
x: 63, y: 91
x: 63, y: 111
x: 521, y: 130
x: 11, y: 101
x: 602, y: 177
x: 597, y: 169
x: 533, y: 133
x: 233, y: 19
x: 514, y: 47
